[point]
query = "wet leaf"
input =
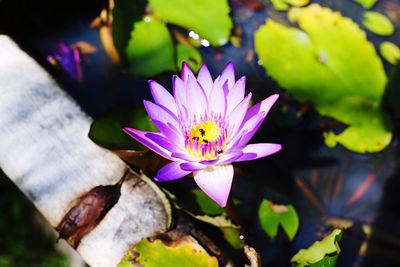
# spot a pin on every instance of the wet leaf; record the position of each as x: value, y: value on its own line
x: 390, y: 52
x: 190, y: 55
x: 366, y: 3
x: 150, y: 50
x: 87, y: 213
x: 313, y: 65
x: 125, y: 13
x: 271, y: 216
x: 378, y: 23
x: 323, y: 253
x: 184, y: 252
x: 107, y: 131
x: 209, y: 18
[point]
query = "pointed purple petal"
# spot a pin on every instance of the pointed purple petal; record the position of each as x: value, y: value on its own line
x: 179, y: 88
x: 263, y: 106
x: 228, y: 75
x: 192, y: 166
x: 159, y: 113
x: 216, y: 182
x: 235, y: 95
x: 251, y: 126
x: 186, y: 72
x: 217, y: 100
x: 140, y: 136
x: 196, y: 99
x: 255, y: 151
x: 205, y: 80
x: 227, y: 158
x: 184, y: 156
x: 162, y: 97
x: 171, y: 171
x: 164, y: 142
x: 170, y: 132
x: 236, y: 117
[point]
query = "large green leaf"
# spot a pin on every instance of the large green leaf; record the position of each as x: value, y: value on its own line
x: 107, y: 131
x: 272, y: 216
x: 150, y: 50
x: 366, y: 3
x: 189, y: 55
x: 209, y: 18
x: 323, y: 253
x: 331, y: 64
x: 186, y: 253
x: 125, y: 13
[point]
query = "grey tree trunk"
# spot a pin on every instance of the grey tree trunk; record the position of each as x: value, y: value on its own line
x: 45, y: 151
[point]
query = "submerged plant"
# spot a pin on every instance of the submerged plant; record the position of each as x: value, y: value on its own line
x: 204, y: 127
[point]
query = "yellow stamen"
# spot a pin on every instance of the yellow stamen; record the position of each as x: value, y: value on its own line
x: 205, y: 132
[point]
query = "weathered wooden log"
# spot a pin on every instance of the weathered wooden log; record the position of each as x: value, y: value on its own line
x: 45, y: 151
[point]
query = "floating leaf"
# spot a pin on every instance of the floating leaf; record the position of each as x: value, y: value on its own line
x: 124, y: 14
x: 232, y: 236
x: 107, y: 131
x: 280, y: 5
x: 150, y: 50
x: 183, y: 252
x: 366, y: 3
x: 323, y: 253
x: 390, y: 52
x: 378, y: 23
x: 272, y: 215
x: 298, y: 3
x: 190, y: 55
x: 216, y: 26
x: 314, y: 65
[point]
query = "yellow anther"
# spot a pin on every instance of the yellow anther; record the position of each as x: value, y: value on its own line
x: 205, y: 132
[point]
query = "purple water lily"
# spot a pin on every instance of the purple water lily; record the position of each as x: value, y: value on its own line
x: 204, y: 127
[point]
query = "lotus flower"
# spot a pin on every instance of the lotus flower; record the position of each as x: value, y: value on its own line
x: 204, y: 127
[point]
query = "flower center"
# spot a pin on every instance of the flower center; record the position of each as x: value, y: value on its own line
x: 206, y: 140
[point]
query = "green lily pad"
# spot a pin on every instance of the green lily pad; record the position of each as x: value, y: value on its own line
x: 390, y: 52
x: 209, y: 18
x: 125, y: 13
x: 185, y: 252
x: 323, y: 253
x: 366, y: 3
x: 378, y: 23
x: 283, y: 5
x: 107, y: 131
x: 232, y: 236
x: 271, y: 216
x: 150, y: 50
x: 190, y: 55
x: 313, y: 65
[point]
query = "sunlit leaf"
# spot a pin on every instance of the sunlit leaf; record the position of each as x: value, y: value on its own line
x: 209, y: 18
x: 366, y: 3
x: 280, y: 5
x: 271, y: 216
x: 378, y: 23
x: 321, y: 253
x: 390, y: 52
x: 314, y: 65
x: 150, y: 50
x: 298, y: 3
x: 184, y: 252
x: 107, y: 131
x: 190, y: 55
x: 125, y: 13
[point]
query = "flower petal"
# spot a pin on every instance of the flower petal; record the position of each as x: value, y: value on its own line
x: 263, y: 106
x: 235, y: 119
x: 205, y: 80
x: 171, y: 171
x: 217, y: 99
x: 179, y: 88
x: 186, y: 72
x: 228, y: 75
x: 184, y: 156
x: 192, y: 166
x: 255, y: 151
x: 163, y: 142
x: 162, y: 97
x: 235, y: 95
x: 196, y: 100
x: 141, y: 137
x: 159, y: 113
x: 216, y: 182
x: 227, y: 158
x: 170, y: 132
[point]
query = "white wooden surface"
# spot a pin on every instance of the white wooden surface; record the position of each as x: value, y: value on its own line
x: 45, y: 150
